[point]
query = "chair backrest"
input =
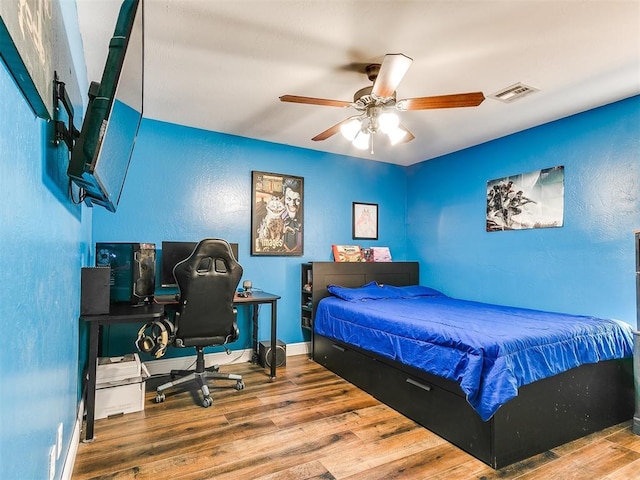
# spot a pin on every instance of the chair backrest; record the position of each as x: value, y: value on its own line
x: 207, y: 280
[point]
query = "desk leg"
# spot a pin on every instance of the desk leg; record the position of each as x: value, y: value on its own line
x: 91, y: 381
x: 273, y: 338
x: 254, y: 318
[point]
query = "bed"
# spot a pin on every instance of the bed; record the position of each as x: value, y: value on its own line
x: 468, y: 371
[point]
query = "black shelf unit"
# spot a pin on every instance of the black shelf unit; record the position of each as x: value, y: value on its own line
x: 306, y: 297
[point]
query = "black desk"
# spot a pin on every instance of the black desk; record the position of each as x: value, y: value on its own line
x: 123, y: 313
x: 253, y: 301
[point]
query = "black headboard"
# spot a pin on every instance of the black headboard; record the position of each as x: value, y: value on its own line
x: 356, y: 274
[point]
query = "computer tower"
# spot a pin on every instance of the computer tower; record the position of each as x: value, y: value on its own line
x: 133, y: 270
x: 265, y: 356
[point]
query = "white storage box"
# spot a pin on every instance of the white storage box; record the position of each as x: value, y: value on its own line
x: 111, y: 369
x: 122, y: 396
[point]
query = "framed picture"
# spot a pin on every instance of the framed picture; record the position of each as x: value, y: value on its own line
x: 277, y: 212
x: 365, y: 221
x: 527, y: 200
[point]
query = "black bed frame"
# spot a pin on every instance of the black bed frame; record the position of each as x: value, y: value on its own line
x: 545, y: 414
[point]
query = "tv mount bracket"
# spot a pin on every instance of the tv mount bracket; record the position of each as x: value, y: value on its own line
x: 67, y: 134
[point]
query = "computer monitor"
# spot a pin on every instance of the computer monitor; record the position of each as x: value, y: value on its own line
x: 173, y: 253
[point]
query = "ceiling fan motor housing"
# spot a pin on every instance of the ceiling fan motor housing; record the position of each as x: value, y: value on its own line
x: 363, y: 98
x: 372, y: 71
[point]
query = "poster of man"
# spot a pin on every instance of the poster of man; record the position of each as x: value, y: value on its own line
x: 527, y: 200
x: 277, y: 214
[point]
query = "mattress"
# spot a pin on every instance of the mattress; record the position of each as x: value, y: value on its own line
x: 489, y: 350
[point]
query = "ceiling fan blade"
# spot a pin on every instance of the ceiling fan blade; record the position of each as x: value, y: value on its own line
x: 331, y: 131
x: 393, y: 68
x: 408, y: 137
x: 472, y: 99
x: 314, y: 101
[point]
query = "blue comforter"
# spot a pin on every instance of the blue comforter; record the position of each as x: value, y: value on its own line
x: 489, y: 350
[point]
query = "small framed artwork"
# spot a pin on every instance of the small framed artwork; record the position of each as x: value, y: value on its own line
x: 277, y: 212
x: 365, y: 221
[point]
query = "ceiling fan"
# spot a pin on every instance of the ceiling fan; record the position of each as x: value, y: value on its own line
x: 377, y: 102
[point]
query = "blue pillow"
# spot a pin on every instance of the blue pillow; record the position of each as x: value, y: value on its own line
x: 374, y: 291
x: 413, y: 291
x: 370, y: 291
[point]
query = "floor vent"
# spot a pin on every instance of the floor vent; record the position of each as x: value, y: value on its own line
x: 513, y: 93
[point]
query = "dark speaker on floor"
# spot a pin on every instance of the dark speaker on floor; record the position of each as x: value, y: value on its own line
x: 266, y: 356
x: 95, y: 290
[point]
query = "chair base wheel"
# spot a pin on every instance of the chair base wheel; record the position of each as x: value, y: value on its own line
x: 207, y: 402
x: 160, y: 398
x: 239, y: 385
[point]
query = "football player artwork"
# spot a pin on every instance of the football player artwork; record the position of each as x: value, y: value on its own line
x: 276, y: 214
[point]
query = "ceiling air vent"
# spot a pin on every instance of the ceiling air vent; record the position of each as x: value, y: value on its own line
x: 513, y: 93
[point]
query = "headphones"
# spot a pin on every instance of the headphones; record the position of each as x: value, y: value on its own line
x: 161, y: 332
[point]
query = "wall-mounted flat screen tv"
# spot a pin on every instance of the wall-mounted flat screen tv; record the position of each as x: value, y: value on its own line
x: 101, y: 156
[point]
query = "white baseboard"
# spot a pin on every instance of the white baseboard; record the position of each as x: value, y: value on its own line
x: 70, y: 458
x: 164, y: 366
x: 302, y: 348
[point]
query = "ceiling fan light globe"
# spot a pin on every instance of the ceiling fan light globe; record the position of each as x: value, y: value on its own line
x: 361, y: 142
x: 388, y: 121
x: 396, y: 135
x: 350, y: 129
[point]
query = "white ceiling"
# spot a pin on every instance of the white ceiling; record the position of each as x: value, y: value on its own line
x: 221, y: 65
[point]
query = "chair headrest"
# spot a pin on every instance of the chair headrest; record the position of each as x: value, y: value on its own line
x: 211, y: 250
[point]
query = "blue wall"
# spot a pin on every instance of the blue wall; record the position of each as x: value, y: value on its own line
x: 584, y: 267
x: 185, y: 184
x: 44, y: 242
x: 188, y: 184
x: 41, y: 249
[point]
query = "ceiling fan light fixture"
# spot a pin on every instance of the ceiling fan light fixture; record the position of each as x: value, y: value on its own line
x: 396, y: 135
x: 375, y: 102
x: 388, y: 121
x: 350, y: 129
x: 361, y: 142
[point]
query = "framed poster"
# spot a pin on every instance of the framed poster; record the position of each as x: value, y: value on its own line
x: 527, y: 200
x: 365, y: 221
x: 29, y: 32
x: 277, y: 212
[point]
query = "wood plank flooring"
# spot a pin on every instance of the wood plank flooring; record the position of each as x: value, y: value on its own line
x: 311, y: 424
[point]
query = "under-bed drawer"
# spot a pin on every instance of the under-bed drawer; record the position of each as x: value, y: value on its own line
x: 443, y: 412
x: 345, y: 362
x: 436, y: 408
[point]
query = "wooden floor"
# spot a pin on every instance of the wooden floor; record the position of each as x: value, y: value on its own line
x: 311, y: 424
